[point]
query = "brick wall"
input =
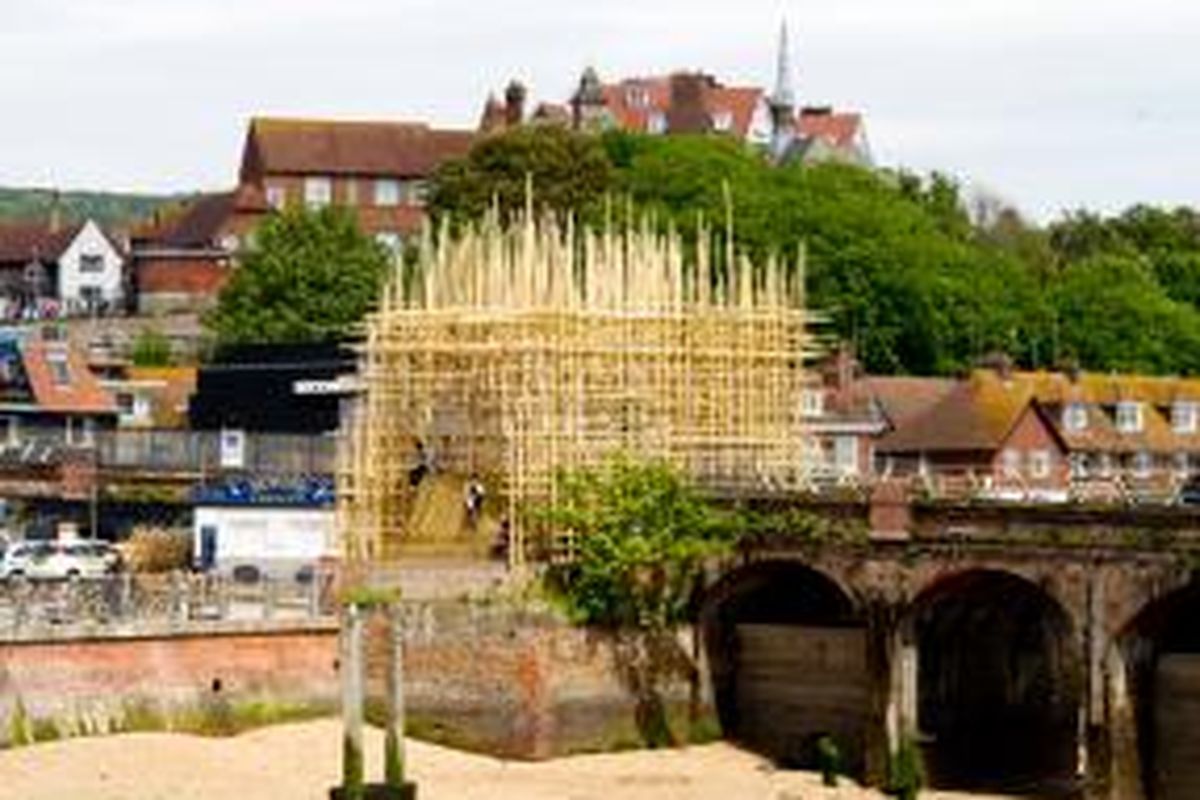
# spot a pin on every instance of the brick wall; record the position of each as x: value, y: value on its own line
x: 487, y: 678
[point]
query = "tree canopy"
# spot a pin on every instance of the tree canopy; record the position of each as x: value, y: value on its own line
x: 308, y: 277
x: 916, y: 279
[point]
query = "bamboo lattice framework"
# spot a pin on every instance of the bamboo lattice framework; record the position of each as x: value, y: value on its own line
x: 510, y: 353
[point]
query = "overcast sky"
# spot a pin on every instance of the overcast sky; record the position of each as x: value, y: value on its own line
x: 1051, y: 104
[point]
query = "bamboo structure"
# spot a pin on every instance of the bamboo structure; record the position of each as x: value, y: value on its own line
x: 507, y: 354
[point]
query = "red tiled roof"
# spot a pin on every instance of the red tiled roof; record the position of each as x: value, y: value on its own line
x: 632, y: 101
x: 21, y: 243
x: 80, y: 394
x: 328, y: 147
x: 839, y: 129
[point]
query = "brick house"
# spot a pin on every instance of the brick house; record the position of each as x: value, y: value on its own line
x: 182, y: 257
x: 986, y: 435
x: 377, y: 169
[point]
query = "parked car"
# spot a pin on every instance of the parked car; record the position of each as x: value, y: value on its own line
x: 51, y: 560
x: 1189, y: 493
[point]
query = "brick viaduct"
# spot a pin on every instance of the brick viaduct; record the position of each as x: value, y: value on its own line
x: 1052, y: 650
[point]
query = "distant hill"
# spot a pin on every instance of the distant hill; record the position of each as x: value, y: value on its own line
x: 108, y: 208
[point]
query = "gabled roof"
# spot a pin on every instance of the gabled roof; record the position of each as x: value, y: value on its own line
x: 329, y: 147
x: 80, y: 393
x: 22, y: 243
x: 975, y: 415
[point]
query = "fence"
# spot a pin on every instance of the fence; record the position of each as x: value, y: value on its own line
x: 132, y: 604
x: 199, y: 453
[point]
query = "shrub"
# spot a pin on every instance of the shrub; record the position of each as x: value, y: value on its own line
x: 151, y: 349
x: 906, y: 772
x: 157, y: 550
x: 829, y: 760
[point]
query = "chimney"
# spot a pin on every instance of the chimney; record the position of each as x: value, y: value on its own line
x: 999, y: 363
x: 514, y: 104
x: 688, y: 113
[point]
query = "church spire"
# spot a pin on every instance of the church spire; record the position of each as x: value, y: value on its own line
x: 782, y: 101
x: 785, y: 92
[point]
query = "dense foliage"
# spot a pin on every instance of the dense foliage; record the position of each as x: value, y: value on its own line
x: 917, y: 280
x: 310, y: 277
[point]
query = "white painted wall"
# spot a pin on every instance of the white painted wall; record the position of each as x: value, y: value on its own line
x: 71, y: 279
x: 266, y: 537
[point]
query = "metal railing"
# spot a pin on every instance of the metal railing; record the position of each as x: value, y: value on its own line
x: 199, y: 453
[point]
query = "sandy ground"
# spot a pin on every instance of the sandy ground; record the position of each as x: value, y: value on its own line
x: 300, y: 762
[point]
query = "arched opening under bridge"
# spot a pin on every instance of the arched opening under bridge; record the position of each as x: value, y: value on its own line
x: 998, y: 687
x: 787, y: 650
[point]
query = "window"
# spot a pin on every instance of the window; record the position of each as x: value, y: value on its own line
x: 1142, y: 464
x: 637, y: 97
x: 1129, y: 417
x: 1039, y: 464
x: 656, y: 123
x: 230, y: 243
x: 1079, y: 466
x: 10, y: 431
x: 91, y: 262
x: 845, y: 455
x: 414, y: 192
x: 125, y: 404
x: 387, y: 192
x: 812, y: 403
x: 1011, y: 463
x: 1184, y: 416
x: 1075, y: 417
x: 1183, y: 464
x: 722, y: 121
x: 1105, y: 468
x: 60, y: 372
x: 80, y: 431
x: 351, y: 192
x: 276, y: 197
x: 318, y: 192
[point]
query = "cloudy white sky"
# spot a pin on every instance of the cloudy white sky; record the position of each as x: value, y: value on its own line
x: 1051, y: 104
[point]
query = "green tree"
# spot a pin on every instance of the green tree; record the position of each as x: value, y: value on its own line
x: 310, y: 277
x: 642, y: 536
x: 1113, y: 315
x: 568, y: 172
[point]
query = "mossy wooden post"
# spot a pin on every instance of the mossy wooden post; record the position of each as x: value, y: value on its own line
x: 352, y: 703
x: 393, y: 756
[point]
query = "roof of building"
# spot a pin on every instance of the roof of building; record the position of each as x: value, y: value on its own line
x: 837, y: 128
x: 69, y: 389
x: 21, y: 243
x: 329, y: 147
x: 902, y: 399
x: 633, y: 101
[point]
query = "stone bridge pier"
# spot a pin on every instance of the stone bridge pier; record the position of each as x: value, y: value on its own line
x: 1016, y: 667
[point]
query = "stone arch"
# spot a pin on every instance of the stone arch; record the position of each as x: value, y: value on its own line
x: 1160, y: 648
x: 999, y: 682
x: 786, y: 649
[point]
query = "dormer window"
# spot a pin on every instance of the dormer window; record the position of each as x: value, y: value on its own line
x: 1075, y: 417
x: 1184, y: 416
x: 723, y: 121
x: 1129, y: 417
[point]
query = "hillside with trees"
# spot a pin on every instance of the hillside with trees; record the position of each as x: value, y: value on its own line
x: 108, y: 208
x: 922, y: 281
